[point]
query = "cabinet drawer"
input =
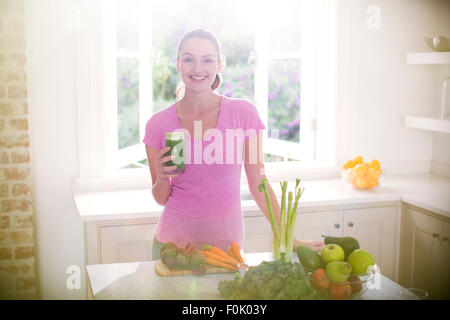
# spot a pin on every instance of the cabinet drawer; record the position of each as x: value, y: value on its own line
x: 311, y: 226
x: 126, y: 243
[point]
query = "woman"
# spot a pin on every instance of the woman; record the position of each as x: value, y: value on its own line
x: 202, y: 205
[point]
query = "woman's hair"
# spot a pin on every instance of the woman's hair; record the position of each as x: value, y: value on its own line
x: 202, y: 34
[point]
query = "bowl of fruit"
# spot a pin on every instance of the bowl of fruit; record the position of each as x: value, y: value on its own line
x: 363, y: 175
x: 341, y: 270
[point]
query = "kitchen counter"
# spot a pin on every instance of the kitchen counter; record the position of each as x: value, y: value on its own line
x: 138, y: 281
x: 425, y: 190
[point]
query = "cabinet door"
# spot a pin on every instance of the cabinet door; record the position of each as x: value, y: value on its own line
x: 446, y: 264
x: 311, y: 226
x: 424, y: 252
x: 258, y: 235
x: 126, y: 243
x: 375, y: 229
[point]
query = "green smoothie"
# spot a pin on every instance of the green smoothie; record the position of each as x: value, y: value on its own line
x: 175, y: 140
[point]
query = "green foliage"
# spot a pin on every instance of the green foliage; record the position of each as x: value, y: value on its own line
x: 284, y: 99
x: 277, y: 280
x: 128, y: 102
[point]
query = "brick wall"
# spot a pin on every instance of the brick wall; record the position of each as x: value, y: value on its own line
x: 17, y: 245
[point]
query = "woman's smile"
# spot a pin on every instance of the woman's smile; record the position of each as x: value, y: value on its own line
x: 198, y: 78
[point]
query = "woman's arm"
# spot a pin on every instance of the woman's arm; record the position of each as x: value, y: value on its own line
x: 255, y: 172
x: 161, y: 187
x: 254, y: 169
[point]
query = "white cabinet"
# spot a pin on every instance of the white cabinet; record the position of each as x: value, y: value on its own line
x: 126, y: 243
x: 446, y: 261
x: 375, y: 228
x: 258, y: 234
x: 312, y: 225
x: 376, y: 231
x: 119, y: 240
x: 425, y: 253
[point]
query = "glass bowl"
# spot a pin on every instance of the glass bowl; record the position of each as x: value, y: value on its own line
x: 359, y: 283
x: 369, y: 180
x: 438, y: 43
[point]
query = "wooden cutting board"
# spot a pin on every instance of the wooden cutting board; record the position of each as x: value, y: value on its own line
x: 162, y: 270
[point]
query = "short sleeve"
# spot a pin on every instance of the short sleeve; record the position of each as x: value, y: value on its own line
x: 252, y: 122
x: 153, y: 133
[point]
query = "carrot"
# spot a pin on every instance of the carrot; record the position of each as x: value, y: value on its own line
x: 218, y: 263
x: 237, y: 251
x: 221, y: 253
x: 214, y: 256
x: 231, y: 253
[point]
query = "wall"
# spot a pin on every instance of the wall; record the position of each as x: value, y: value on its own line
x: 17, y: 237
x: 376, y: 88
x: 53, y: 125
x: 441, y: 141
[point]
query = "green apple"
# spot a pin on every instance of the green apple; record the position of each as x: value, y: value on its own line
x: 338, y: 271
x: 360, y: 260
x: 332, y: 252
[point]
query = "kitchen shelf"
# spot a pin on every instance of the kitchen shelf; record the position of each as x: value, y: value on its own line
x: 428, y: 58
x: 426, y: 123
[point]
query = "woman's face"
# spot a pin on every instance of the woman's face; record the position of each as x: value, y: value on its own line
x: 198, y: 64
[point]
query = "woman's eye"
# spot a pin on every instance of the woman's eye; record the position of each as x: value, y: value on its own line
x: 208, y: 60
x: 187, y: 60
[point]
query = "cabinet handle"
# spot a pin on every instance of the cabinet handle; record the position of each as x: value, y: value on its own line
x: 337, y: 225
x: 350, y: 224
x: 435, y: 235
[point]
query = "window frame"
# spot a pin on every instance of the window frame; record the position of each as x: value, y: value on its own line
x: 95, y: 78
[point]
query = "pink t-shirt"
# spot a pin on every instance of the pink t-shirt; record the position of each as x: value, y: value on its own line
x: 204, y: 206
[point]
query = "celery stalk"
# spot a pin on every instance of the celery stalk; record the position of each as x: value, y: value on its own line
x: 276, y: 241
x: 289, y: 210
x: 283, y: 218
x: 287, y: 256
x: 293, y: 218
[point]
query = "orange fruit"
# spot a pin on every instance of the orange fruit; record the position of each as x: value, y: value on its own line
x: 358, y: 159
x: 360, y: 170
x: 361, y: 182
x: 350, y: 176
x: 349, y: 164
x: 372, y: 174
x: 372, y: 183
x: 374, y: 163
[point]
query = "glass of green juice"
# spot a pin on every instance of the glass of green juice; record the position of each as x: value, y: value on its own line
x: 175, y: 140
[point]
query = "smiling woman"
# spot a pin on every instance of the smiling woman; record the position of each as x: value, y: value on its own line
x: 197, y: 68
x: 170, y: 20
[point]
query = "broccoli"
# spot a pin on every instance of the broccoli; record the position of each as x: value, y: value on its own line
x: 277, y: 280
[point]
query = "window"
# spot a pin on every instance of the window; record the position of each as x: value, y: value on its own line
x: 272, y: 59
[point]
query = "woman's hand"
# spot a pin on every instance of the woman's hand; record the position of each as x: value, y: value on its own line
x: 162, y: 171
x: 315, y: 245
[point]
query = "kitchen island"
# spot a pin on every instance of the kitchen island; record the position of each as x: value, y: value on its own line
x: 139, y: 281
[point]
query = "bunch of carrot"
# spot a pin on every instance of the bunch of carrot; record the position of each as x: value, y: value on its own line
x: 217, y: 257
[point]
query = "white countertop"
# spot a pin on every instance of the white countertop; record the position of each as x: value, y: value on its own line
x: 138, y: 280
x: 425, y: 190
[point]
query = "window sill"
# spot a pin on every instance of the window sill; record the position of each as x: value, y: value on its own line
x: 132, y: 179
